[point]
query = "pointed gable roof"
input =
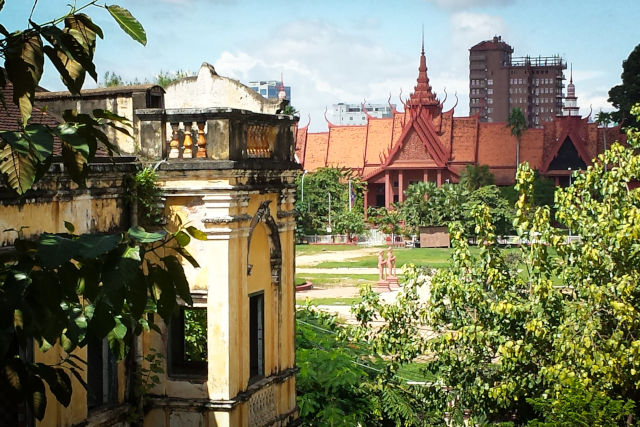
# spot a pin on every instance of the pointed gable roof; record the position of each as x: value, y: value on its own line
x: 571, y: 129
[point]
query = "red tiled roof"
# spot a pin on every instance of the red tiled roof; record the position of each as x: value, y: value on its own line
x: 316, y: 151
x: 379, y: 139
x: 465, y: 139
x: 346, y: 146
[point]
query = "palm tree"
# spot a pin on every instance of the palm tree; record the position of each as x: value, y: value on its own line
x: 518, y: 124
x: 473, y: 177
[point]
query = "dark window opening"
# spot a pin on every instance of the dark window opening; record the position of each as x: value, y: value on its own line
x: 395, y: 198
x: 188, y: 342
x: 379, y: 200
x: 102, y: 375
x: 256, y: 337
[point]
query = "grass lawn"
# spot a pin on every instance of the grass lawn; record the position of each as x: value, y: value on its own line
x: 329, y: 301
x: 332, y: 280
x: 429, y: 257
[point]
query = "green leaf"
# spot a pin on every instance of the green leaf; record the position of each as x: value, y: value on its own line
x: 187, y: 255
x: 41, y: 141
x: 18, y: 168
x: 138, y: 234
x: 128, y: 23
x: 14, y: 372
x: 196, y: 234
x: 106, y: 114
x: 69, y: 226
x: 38, y: 398
x: 176, y: 272
x: 182, y: 238
x: 55, y: 250
x: 77, y: 26
x: 58, y: 381
x: 120, y: 330
x: 24, y: 62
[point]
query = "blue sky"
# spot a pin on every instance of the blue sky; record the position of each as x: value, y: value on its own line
x: 350, y: 50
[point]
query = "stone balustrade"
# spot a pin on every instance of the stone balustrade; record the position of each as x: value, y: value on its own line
x: 215, y: 134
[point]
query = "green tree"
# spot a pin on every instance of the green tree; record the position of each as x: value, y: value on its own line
x: 518, y: 124
x: 165, y: 78
x: 427, y: 205
x: 388, y: 221
x: 627, y: 94
x: 112, y: 79
x: 290, y: 109
x: 559, y: 336
x: 473, y: 177
x: 499, y: 210
x: 349, y: 222
x: 329, y: 186
x: 341, y: 383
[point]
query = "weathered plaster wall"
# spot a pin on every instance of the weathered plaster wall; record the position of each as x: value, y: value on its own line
x: 210, y: 90
x: 223, y: 204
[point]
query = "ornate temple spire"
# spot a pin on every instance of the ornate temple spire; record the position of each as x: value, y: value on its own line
x: 571, y: 100
x: 422, y: 94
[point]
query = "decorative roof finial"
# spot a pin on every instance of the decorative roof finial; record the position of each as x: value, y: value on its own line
x: 571, y: 73
x: 423, y: 38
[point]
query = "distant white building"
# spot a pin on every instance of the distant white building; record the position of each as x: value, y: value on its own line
x: 271, y: 89
x: 352, y: 114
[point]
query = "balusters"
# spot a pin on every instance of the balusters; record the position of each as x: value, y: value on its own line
x: 188, y: 142
x: 258, y: 141
x: 174, y: 144
x: 202, y: 142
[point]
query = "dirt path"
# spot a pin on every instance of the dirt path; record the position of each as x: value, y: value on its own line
x: 315, y: 259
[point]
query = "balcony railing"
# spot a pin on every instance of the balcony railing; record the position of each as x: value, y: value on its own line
x: 215, y: 134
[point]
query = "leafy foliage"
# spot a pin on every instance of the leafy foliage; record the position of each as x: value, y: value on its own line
x: 624, y: 96
x: 427, y: 205
x: 290, y: 110
x: 473, y: 177
x: 389, y: 221
x: 518, y: 124
x: 559, y: 337
x: 27, y: 153
x: 312, y: 210
x: 147, y: 195
x: 195, y: 335
x: 341, y: 383
x: 66, y: 289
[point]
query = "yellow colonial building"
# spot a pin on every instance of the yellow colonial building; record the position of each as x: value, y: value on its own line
x: 228, y: 170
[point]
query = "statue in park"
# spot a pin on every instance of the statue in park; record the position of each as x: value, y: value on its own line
x: 391, y: 262
x: 382, y: 263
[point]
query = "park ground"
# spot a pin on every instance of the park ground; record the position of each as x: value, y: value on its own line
x: 338, y: 272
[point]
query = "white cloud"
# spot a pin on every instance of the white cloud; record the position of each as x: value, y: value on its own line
x: 471, y: 28
x: 324, y: 65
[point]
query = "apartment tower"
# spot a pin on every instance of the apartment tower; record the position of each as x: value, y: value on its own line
x: 499, y: 82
